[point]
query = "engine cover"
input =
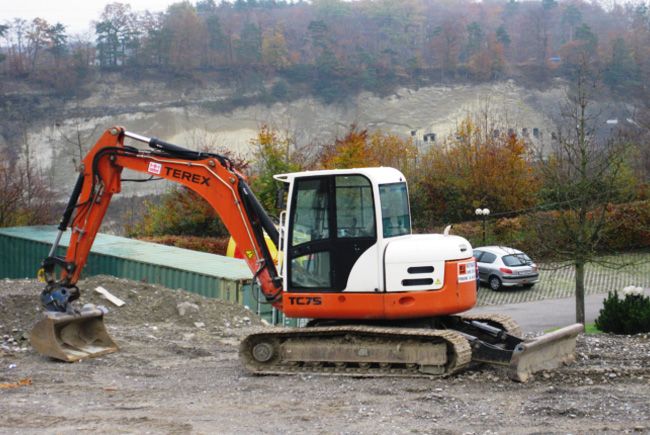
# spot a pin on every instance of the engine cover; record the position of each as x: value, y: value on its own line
x: 417, y: 262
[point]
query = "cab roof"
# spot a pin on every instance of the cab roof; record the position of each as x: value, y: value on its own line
x: 378, y: 175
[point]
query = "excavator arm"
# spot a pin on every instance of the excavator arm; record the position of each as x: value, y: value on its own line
x: 212, y: 176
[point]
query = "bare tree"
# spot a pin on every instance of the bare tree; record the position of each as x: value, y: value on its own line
x: 24, y: 196
x: 583, y: 176
x: 78, y: 139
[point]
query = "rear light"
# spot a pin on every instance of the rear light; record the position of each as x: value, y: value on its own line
x: 506, y: 270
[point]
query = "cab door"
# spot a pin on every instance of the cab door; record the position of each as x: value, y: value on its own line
x: 332, y: 224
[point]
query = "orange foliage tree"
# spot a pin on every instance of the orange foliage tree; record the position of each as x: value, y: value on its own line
x: 476, y: 168
x: 273, y: 153
x: 359, y: 148
x: 180, y: 212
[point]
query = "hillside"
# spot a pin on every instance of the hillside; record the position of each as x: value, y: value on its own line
x: 191, y: 116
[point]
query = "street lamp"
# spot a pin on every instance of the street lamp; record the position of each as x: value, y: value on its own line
x: 484, y: 213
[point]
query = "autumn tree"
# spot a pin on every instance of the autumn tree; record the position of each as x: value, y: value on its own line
x: 16, y: 51
x: 571, y: 17
x: 581, y: 49
x: 38, y: 37
x: 475, y: 39
x: 187, y: 37
x: 359, y: 148
x: 582, y: 177
x: 274, y: 49
x: 3, y: 32
x: 448, y: 42
x: 488, y: 61
x: 117, y: 33
x: 180, y: 211
x: 350, y: 151
x: 248, y: 48
x: 219, y: 43
x: 621, y: 71
x: 273, y: 153
x: 479, y: 165
x: 154, y: 41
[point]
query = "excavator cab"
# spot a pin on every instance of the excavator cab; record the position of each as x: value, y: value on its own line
x: 350, y: 252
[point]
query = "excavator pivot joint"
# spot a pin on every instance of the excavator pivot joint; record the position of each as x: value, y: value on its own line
x: 58, y: 299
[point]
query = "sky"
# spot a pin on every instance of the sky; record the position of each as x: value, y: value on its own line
x: 76, y: 15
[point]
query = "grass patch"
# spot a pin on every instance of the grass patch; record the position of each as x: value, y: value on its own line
x: 590, y: 328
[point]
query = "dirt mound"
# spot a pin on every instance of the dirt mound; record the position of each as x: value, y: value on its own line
x: 146, y: 305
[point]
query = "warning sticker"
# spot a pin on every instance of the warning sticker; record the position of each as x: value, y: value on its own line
x: 466, y: 272
x: 154, y: 168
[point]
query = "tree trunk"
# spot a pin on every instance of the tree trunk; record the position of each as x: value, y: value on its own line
x: 580, y: 291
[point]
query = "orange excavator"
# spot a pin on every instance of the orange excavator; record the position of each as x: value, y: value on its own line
x: 381, y: 300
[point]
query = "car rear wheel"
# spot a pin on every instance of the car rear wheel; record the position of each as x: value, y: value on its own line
x: 495, y: 283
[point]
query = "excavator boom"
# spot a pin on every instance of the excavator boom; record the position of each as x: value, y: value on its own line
x: 68, y: 334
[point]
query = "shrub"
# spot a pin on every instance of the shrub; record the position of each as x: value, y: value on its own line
x: 629, y: 315
x: 179, y: 212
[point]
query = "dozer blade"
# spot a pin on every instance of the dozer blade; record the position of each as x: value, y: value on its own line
x: 71, y: 337
x: 544, y: 353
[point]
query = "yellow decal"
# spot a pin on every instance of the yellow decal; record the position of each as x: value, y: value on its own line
x: 40, y: 276
x: 437, y: 281
x: 249, y: 254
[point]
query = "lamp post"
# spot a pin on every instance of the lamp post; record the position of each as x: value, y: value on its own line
x: 484, y: 213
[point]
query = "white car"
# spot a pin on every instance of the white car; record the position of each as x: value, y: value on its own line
x: 499, y: 266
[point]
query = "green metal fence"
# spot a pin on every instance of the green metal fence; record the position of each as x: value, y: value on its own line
x: 215, y: 276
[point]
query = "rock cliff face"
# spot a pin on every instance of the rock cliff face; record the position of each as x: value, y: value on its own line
x: 185, y: 117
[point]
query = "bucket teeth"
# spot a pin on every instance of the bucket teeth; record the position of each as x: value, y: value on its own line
x: 72, y: 337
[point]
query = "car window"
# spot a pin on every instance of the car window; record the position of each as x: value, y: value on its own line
x: 488, y: 257
x: 516, y: 260
x: 477, y: 254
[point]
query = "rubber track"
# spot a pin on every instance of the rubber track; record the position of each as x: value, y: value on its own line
x: 457, y: 347
x: 501, y: 320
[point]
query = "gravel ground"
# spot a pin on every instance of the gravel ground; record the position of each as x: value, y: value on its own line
x: 180, y: 374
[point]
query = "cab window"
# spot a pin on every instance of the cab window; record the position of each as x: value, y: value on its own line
x: 311, y: 213
x: 395, y: 216
x: 354, y: 207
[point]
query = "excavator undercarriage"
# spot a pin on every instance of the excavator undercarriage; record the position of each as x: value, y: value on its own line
x: 371, y: 350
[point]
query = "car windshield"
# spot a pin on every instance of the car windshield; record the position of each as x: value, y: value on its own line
x: 517, y: 260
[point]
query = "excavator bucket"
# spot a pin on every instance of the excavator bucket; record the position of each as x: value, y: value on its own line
x: 544, y: 353
x: 72, y: 337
